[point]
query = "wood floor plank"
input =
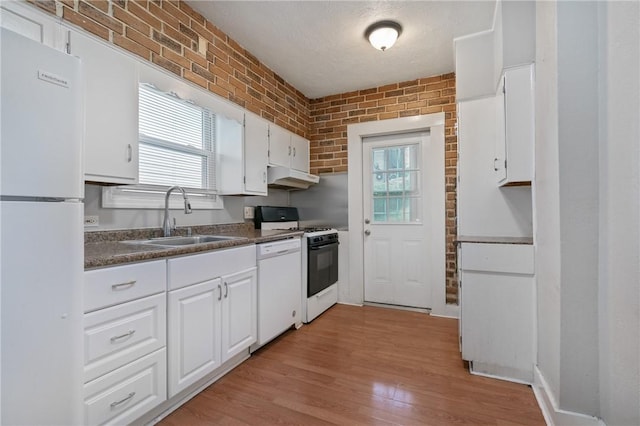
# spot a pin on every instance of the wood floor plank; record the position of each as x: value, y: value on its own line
x: 361, y: 365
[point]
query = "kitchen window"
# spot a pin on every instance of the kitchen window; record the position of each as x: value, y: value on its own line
x: 177, y: 140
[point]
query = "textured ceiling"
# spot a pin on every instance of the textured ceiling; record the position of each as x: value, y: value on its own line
x: 319, y: 46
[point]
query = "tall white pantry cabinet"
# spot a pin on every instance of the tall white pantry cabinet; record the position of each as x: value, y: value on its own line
x: 495, y: 215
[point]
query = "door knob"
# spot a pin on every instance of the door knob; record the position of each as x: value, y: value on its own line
x: 367, y: 232
x: 367, y: 221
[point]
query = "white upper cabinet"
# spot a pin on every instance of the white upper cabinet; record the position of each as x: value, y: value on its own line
x: 474, y: 66
x: 287, y: 149
x: 299, y: 153
x: 242, y: 165
x: 256, y: 154
x: 513, y: 162
x: 279, y: 146
x: 33, y: 24
x: 111, y: 111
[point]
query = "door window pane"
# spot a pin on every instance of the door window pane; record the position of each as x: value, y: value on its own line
x: 396, y: 184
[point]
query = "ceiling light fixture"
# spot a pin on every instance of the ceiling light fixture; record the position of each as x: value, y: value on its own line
x: 383, y: 34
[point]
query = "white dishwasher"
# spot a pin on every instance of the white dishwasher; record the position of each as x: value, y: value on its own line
x: 279, y: 288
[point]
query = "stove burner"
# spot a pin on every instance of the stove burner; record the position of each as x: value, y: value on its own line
x: 311, y: 229
x: 316, y: 229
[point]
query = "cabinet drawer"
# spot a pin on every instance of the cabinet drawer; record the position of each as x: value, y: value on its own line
x: 198, y: 268
x: 117, y: 284
x: 127, y: 393
x: 120, y: 334
x: 505, y: 258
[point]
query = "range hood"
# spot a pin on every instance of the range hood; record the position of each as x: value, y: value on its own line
x: 284, y: 177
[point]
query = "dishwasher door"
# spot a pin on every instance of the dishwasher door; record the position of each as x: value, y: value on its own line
x: 279, y: 288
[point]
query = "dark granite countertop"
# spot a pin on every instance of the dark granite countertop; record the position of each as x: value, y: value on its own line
x: 495, y: 240
x: 106, y: 248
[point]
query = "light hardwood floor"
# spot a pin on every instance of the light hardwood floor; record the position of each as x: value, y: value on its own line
x: 361, y: 365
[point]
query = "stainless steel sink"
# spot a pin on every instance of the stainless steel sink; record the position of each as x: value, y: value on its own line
x: 183, y: 241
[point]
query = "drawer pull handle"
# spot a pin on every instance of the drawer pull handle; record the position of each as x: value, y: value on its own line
x: 114, y: 339
x: 121, y: 286
x: 122, y: 401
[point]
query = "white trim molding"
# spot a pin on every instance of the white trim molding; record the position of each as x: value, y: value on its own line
x: 434, y: 124
x: 553, y: 415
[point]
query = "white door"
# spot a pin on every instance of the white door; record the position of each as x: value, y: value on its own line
x: 239, y: 312
x: 194, y: 333
x: 398, y: 220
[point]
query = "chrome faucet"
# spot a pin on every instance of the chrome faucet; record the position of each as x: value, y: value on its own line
x: 167, y: 228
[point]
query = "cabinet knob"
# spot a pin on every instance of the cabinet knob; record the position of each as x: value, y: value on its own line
x: 367, y: 232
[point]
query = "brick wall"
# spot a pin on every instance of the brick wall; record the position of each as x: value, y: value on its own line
x: 330, y: 116
x: 172, y: 35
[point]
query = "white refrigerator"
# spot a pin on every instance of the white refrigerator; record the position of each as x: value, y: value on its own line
x: 41, y: 233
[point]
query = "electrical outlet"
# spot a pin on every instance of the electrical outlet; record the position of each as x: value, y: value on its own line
x: 91, y: 221
x: 248, y: 212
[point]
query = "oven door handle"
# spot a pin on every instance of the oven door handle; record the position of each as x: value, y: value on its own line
x: 324, y: 246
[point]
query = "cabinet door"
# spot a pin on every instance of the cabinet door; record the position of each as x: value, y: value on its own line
x: 239, y: 312
x: 279, y: 146
x: 299, y: 153
x: 519, y: 124
x: 500, y: 160
x: 194, y: 333
x: 111, y: 111
x: 256, y: 154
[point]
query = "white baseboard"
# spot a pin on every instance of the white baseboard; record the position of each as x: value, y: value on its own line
x: 554, y: 415
x: 450, y: 311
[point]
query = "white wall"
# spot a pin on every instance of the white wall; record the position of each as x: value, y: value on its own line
x: 546, y: 197
x: 587, y: 201
x: 619, y: 305
x: 578, y: 160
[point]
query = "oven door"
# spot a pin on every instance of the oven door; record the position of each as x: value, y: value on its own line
x: 322, y: 268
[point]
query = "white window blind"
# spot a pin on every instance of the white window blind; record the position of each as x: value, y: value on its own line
x: 177, y: 141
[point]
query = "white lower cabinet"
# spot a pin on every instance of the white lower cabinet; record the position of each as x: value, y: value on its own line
x: 125, y: 394
x: 144, y: 345
x: 239, y: 312
x: 194, y: 333
x: 121, y: 334
x: 125, y: 333
x: 497, y: 309
x: 214, y: 318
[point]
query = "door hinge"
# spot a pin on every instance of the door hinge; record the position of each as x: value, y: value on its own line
x: 244, y: 179
x: 460, y: 283
x: 460, y: 340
